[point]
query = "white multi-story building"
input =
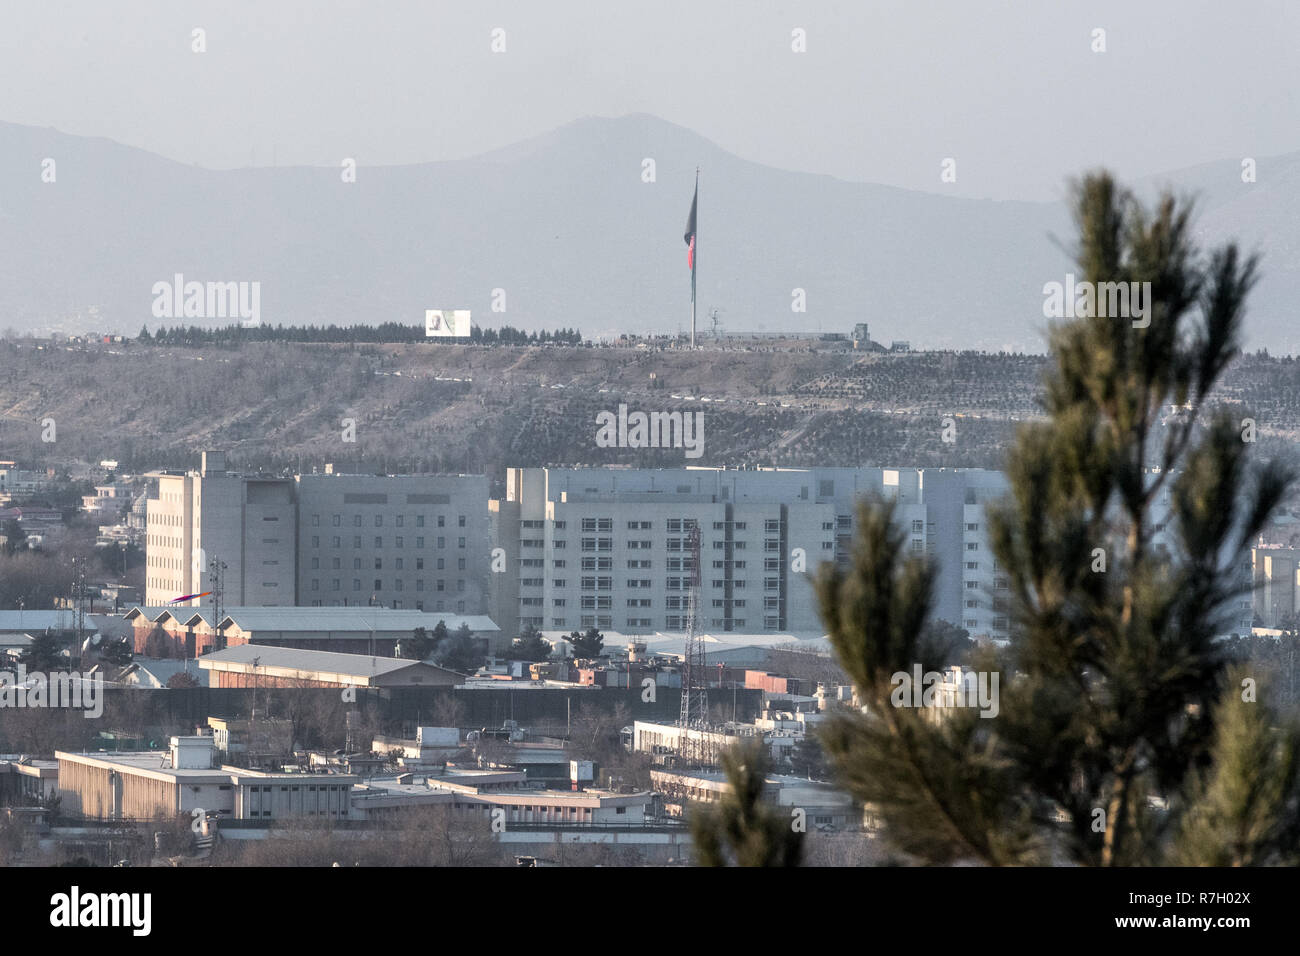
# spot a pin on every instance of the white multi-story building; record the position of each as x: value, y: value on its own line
x: 399, y: 541
x: 402, y: 541
x: 245, y: 522
x: 609, y: 547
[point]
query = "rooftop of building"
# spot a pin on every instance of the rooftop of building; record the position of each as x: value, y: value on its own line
x: 154, y: 763
x: 155, y: 672
x: 291, y: 618
x: 479, y: 784
x: 503, y: 682
x: 24, y: 764
x: 783, y: 780
x: 31, y: 621
x: 157, y: 764
x: 324, y: 662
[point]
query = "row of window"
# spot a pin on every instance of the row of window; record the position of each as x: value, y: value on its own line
x: 671, y: 622
x: 399, y: 521
x: 397, y: 605
x: 999, y: 623
x: 398, y: 584
x: 398, y: 542
x: 399, y: 564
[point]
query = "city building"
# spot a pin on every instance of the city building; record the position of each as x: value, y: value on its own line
x: 147, y: 674
x: 609, y: 547
x: 823, y: 806
x: 245, y: 522
x: 15, y: 481
x: 261, y: 665
x: 320, y: 540
x: 487, y: 790
x: 179, y: 631
x: 142, y: 786
x: 244, y: 738
x: 109, y: 501
x: 24, y: 780
x: 401, y: 541
x: 670, y: 743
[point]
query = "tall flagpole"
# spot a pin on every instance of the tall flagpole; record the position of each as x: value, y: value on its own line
x: 695, y: 261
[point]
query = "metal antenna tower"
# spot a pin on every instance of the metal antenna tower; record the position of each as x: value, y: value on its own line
x: 695, y: 697
x: 216, y: 577
x: 79, y: 597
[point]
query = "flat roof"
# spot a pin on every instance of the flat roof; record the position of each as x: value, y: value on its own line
x: 292, y: 618
x: 327, y: 662
x: 157, y: 764
x: 150, y: 763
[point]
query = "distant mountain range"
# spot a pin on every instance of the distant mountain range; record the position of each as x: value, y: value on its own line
x: 566, y: 226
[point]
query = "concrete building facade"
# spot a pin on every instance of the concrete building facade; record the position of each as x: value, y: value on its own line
x: 608, y: 547
x: 330, y: 540
x: 246, y: 522
x: 144, y: 786
x: 401, y: 541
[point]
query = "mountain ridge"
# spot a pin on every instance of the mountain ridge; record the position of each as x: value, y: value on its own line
x: 564, y: 224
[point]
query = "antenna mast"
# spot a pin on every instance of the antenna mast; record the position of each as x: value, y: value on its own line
x: 216, y: 569
x: 695, y: 699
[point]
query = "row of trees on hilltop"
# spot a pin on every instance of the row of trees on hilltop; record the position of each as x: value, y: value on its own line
x: 386, y: 332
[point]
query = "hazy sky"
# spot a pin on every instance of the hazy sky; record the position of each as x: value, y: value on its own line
x: 884, y: 92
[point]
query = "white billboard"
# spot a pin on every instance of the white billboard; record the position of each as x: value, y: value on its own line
x: 444, y: 323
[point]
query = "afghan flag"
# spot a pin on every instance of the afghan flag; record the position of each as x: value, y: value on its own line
x: 690, y: 228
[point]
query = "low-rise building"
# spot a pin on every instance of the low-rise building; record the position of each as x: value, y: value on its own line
x: 822, y: 804
x: 487, y: 790
x: 143, y: 786
x: 259, y: 665
x: 25, y: 780
x: 172, y: 631
x: 670, y: 743
x: 241, y: 738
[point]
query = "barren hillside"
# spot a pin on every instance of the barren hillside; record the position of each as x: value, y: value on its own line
x: 478, y: 409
